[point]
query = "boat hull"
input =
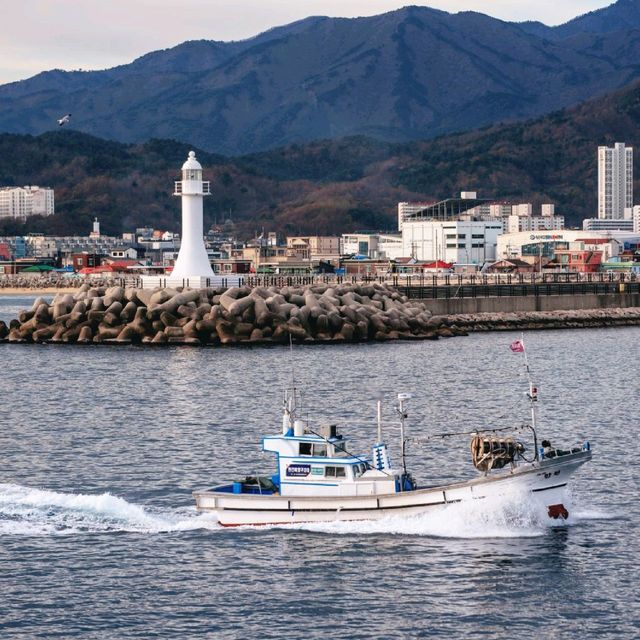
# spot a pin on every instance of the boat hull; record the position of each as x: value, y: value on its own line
x: 540, y: 483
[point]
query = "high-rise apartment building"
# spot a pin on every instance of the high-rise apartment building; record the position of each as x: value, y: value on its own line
x: 21, y: 202
x: 615, y: 181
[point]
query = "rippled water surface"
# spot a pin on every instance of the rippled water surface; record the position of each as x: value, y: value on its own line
x: 102, y: 446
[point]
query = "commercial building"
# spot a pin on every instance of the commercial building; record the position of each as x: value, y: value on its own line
x: 19, y: 203
x: 454, y: 241
x: 538, y: 245
x: 452, y: 231
x: 607, y: 224
x: 615, y: 181
x: 373, y: 245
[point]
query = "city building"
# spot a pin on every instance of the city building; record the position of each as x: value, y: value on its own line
x: 522, y: 209
x: 453, y: 241
x: 315, y: 248
x: 539, y: 245
x: 608, y: 224
x: 548, y: 209
x: 451, y: 231
x: 636, y: 218
x: 410, y: 209
x: 615, y: 181
x: 577, y: 259
x: 19, y: 203
x: 515, y: 223
x: 372, y: 245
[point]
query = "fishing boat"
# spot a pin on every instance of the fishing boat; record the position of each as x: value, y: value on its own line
x: 318, y: 479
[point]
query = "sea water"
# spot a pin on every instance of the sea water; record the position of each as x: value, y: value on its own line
x: 102, y: 446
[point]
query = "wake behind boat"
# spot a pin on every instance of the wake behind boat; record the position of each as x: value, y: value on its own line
x: 318, y: 479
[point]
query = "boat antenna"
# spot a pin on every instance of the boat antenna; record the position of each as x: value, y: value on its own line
x: 290, y: 397
x: 533, y: 389
x: 293, y: 371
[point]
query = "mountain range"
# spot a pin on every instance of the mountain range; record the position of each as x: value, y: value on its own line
x: 410, y: 74
x: 327, y: 186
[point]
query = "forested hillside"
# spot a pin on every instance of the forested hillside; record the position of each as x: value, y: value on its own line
x: 328, y: 186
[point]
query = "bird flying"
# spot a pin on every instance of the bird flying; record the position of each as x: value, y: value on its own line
x: 64, y: 120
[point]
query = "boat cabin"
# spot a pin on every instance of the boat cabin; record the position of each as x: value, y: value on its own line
x: 319, y: 464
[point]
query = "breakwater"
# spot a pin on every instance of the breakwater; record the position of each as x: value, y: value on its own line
x: 314, y: 313
x: 240, y: 315
x: 561, y: 319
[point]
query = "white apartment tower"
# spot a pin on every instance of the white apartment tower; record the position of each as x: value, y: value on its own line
x: 21, y: 202
x: 615, y: 181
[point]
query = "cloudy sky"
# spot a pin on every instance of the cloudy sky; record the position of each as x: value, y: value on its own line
x: 98, y: 34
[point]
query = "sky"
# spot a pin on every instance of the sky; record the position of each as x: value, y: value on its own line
x: 98, y: 34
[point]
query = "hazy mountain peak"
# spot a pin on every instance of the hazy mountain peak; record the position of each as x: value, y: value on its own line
x: 412, y: 73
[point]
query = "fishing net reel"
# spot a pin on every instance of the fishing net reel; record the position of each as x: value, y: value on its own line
x: 492, y: 452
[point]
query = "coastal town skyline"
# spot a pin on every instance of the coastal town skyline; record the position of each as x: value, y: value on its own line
x: 99, y: 36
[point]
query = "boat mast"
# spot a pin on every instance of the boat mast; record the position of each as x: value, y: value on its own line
x: 403, y: 415
x: 533, y: 390
x: 533, y: 399
x: 289, y: 418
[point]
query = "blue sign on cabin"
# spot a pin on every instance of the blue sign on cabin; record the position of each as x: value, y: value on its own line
x: 298, y: 470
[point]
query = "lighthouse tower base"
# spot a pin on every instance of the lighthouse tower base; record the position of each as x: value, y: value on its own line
x: 193, y: 282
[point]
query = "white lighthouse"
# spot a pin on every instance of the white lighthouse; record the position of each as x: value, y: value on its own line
x: 193, y: 264
x: 192, y: 268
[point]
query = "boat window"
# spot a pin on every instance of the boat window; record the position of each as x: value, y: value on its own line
x: 341, y: 472
x: 320, y: 450
x: 305, y: 448
x: 330, y: 472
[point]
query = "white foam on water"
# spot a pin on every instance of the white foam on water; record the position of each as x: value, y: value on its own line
x: 584, y: 514
x: 28, y: 511
x: 507, y: 516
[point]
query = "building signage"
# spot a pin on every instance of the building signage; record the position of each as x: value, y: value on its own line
x: 298, y: 470
x: 546, y: 237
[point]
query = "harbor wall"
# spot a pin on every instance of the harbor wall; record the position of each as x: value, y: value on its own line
x: 525, y: 304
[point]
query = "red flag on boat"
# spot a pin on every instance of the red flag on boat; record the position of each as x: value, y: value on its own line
x: 516, y: 346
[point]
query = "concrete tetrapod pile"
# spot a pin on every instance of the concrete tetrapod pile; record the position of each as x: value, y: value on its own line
x: 314, y: 313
